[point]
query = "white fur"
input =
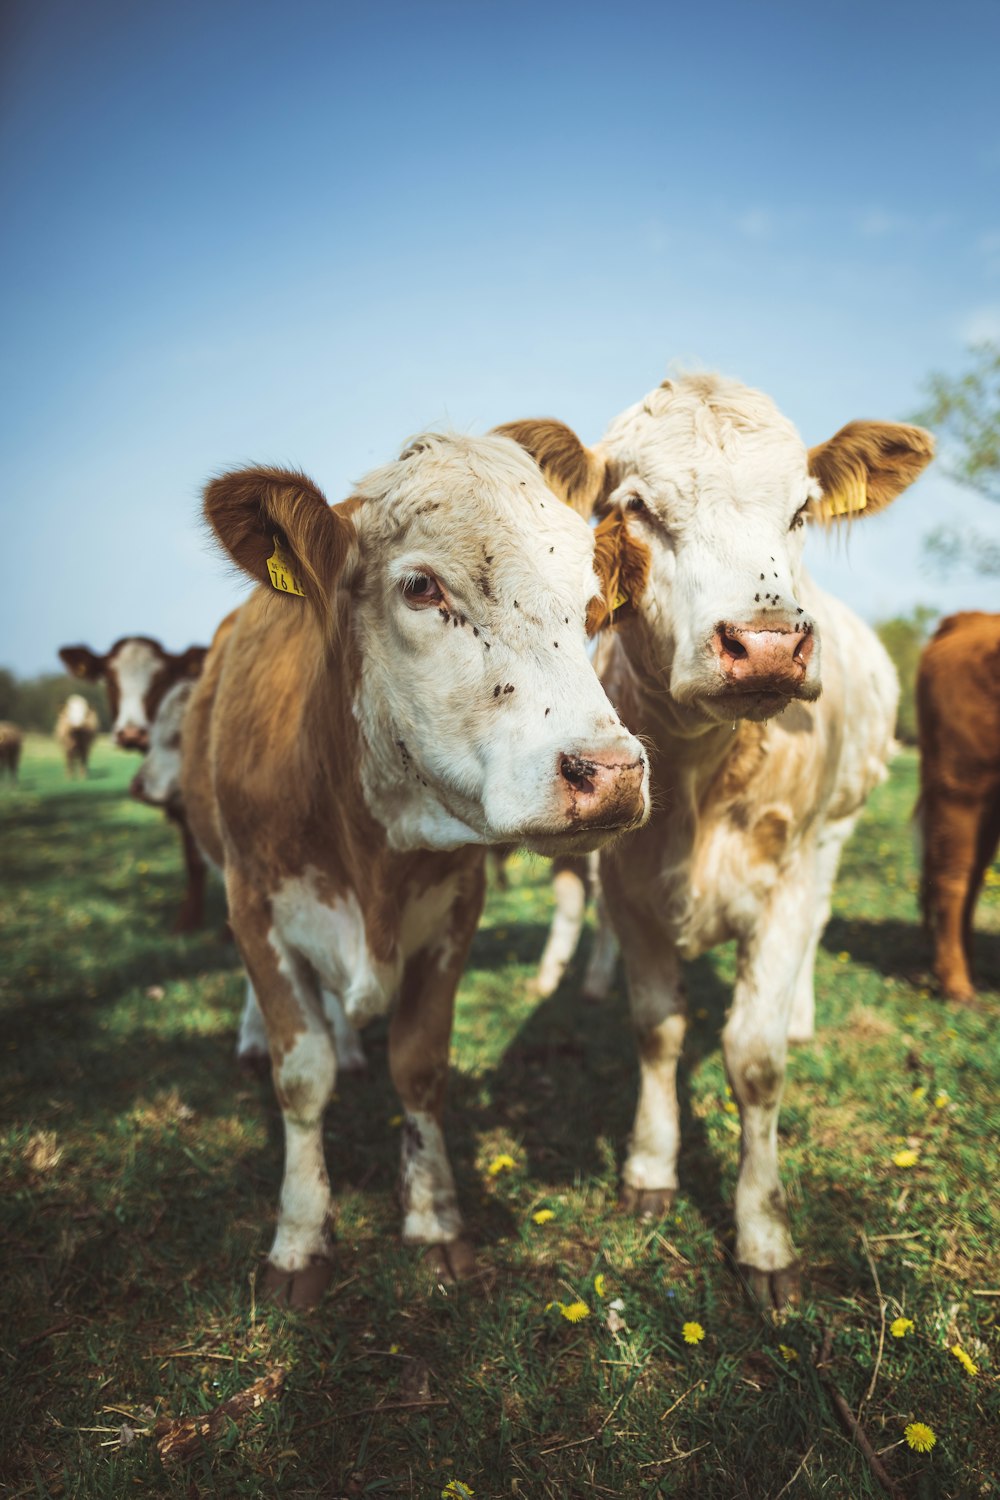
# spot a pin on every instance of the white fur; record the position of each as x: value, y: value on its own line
x: 76, y: 711
x: 159, y: 776
x: 308, y: 1072
x: 134, y: 666
x: 430, y: 1206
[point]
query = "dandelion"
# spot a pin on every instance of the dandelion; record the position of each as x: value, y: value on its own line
x: 906, y: 1158
x: 843, y: 958
x: 600, y: 1285
x: 693, y: 1333
x: 919, y: 1094
x: 900, y: 1327
x: 920, y: 1437
x: 968, y: 1364
x: 396, y: 1121
x: 940, y: 1100
x: 501, y: 1163
x: 787, y: 1354
x: 731, y: 1108
x: 542, y: 1216
x: 456, y: 1489
x: 574, y: 1312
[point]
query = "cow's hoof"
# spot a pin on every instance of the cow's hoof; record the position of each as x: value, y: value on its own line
x: 646, y: 1203
x: 455, y: 1261
x: 254, y: 1062
x: 958, y: 990
x: 774, y: 1290
x: 300, y: 1290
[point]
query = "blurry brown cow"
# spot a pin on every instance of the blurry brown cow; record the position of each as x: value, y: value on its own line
x: 11, y: 740
x: 958, y: 708
x: 76, y: 731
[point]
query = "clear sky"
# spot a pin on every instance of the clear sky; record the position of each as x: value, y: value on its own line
x: 298, y: 232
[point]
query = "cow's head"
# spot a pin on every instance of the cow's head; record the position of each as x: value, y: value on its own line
x: 462, y: 584
x: 158, y: 779
x: 138, y: 673
x: 704, y: 489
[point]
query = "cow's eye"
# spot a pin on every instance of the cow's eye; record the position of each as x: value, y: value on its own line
x: 421, y: 588
x: 799, y: 517
x: 635, y: 503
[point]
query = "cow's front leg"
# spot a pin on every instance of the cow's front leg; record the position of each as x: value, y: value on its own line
x: 658, y: 1006
x: 755, y: 1045
x: 419, y: 1041
x: 304, y: 1069
x: 570, y: 889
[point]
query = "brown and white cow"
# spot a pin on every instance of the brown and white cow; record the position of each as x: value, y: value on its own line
x: 140, y: 676
x: 11, y: 742
x: 76, y: 731
x: 350, y: 755
x: 958, y: 708
x: 757, y: 779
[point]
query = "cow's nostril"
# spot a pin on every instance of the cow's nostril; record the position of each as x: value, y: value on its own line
x: 803, y: 648
x: 732, y: 646
x: 578, y: 772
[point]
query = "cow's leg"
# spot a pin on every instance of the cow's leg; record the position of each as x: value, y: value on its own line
x: 755, y: 1047
x: 350, y: 1053
x: 659, y: 1016
x: 951, y: 838
x: 419, y: 1040
x: 192, y: 912
x: 600, y: 975
x: 251, y: 1044
x: 987, y: 840
x: 570, y: 888
x: 802, y: 1024
x: 304, y: 1068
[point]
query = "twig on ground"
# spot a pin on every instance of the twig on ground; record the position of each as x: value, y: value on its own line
x: 850, y: 1422
x: 177, y: 1441
x: 786, y: 1487
x: 881, y: 1331
x: 680, y: 1399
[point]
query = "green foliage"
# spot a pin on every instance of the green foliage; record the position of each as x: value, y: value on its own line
x: 139, y: 1174
x: 904, y: 637
x: 964, y: 411
x: 34, y: 702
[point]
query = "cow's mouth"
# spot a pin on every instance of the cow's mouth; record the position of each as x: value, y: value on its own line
x: 763, y: 701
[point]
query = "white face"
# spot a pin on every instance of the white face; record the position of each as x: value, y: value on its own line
x: 158, y: 779
x: 131, y: 673
x: 714, y: 481
x: 76, y: 711
x: 482, y: 717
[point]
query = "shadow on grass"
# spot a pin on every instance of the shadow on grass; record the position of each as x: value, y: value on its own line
x: 901, y: 950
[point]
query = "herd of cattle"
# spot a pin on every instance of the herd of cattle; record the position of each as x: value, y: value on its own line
x: 410, y: 685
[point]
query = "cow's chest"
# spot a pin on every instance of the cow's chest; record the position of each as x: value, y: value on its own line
x: 353, y: 951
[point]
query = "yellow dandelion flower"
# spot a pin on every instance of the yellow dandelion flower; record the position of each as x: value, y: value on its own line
x: 787, y: 1354
x: 542, y: 1216
x: 919, y: 1094
x: 906, y: 1158
x: 900, y: 1327
x: 393, y: 1348
x: 731, y: 1108
x: 574, y: 1312
x: 600, y: 1285
x: 919, y: 1436
x: 395, y: 1122
x: 843, y: 958
x: 456, y: 1489
x: 501, y: 1163
x: 693, y: 1333
x: 966, y: 1361
x: 940, y: 1100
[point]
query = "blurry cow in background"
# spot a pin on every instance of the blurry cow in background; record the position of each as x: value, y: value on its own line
x: 958, y: 814
x: 143, y: 680
x: 703, y: 489
x: 11, y: 741
x: 76, y: 731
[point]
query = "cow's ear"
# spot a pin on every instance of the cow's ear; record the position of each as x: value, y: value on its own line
x: 575, y: 473
x: 278, y: 527
x: 621, y: 562
x: 81, y: 662
x: 190, y: 662
x: 866, y: 465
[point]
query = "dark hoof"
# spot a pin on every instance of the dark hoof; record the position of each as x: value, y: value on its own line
x: 455, y: 1261
x: 300, y: 1290
x: 256, y: 1064
x: 963, y: 993
x: 774, y: 1290
x: 646, y: 1203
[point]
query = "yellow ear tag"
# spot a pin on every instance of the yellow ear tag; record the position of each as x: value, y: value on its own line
x: 618, y: 601
x: 279, y: 568
x: 846, y: 502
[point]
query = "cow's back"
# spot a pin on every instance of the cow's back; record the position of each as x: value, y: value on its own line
x: 958, y: 702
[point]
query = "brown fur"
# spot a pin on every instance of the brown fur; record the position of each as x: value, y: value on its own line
x: 573, y: 472
x: 883, y: 457
x: 621, y: 562
x: 11, y: 740
x: 81, y: 662
x: 958, y: 706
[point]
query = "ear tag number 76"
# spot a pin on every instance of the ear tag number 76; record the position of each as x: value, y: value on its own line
x: 279, y: 568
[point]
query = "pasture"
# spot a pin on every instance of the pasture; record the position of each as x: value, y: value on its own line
x: 140, y: 1174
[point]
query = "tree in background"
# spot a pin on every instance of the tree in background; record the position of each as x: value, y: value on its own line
x: 964, y: 411
x: 34, y: 702
x: 904, y: 637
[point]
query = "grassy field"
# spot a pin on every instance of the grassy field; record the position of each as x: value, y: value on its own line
x: 140, y: 1175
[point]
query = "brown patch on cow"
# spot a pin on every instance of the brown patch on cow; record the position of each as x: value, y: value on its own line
x: 577, y: 474
x: 769, y: 836
x: 875, y: 459
x: 759, y: 1082
x: 621, y: 562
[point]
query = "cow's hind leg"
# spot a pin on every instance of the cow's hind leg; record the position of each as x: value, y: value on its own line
x: 802, y: 1023
x: 419, y: 1042
x: 304, y: 1069
x: 951, y: 828
x: 570, y: 889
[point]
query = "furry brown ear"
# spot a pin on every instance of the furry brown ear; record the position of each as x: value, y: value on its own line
x: 81, y: 662
x: 190, y: 662
x: 621, y: 562
x: 866, y: 465
x: 576, y: 474
x: 253, y: 512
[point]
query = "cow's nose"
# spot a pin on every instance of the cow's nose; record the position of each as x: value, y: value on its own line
x: 753, y: 657
x: 131, y: 737
x: 604, y: 790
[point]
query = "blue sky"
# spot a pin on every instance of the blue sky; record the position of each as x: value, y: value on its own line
x: 300, y: 232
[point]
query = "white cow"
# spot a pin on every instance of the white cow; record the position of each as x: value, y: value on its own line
x: 705, y: 489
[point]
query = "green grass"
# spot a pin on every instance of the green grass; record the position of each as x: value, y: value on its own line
x: 140, y: 1175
